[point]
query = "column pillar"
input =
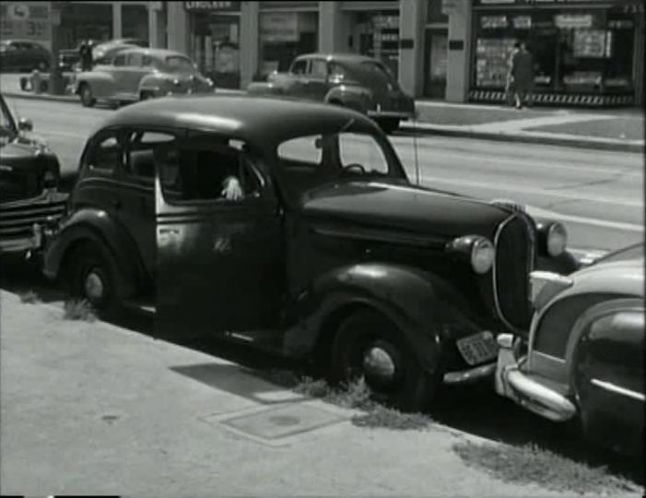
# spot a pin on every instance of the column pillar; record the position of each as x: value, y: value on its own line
x: 411, y: 29
x: 333, y: 28
x: 459, y: 56
x: 153, y: 16
x: 177, y: 27
x: 249, y: 42
x: 116, y: 20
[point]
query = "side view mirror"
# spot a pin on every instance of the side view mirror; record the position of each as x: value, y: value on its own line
x: 25, y: 124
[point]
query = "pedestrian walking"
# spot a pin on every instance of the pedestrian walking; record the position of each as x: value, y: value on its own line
x: 522, y: 71
x: 88, y: 55
x: 509, y: 83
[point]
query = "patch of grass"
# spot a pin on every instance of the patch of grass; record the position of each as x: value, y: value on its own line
x: 532, y: 464
x: 79, y: 310
x: 357, y: 395
x: 29, y: 297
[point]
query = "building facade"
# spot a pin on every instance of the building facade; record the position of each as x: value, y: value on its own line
x: 587, y: 52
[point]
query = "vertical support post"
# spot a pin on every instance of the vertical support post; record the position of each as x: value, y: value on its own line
x: 411, y: 28
x: 249, y: 42
x: 458, y: 63
x: 116, y: 20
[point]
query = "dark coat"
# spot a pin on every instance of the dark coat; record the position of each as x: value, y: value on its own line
x: 523, y: 70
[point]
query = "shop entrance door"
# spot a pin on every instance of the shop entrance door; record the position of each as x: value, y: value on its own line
x: 435, y: 63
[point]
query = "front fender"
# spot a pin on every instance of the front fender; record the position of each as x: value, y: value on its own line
x: 101, y: 83
x: 415, y: 301
x: 94, y: 225
x: 354, y: 97
x: 563, y: 264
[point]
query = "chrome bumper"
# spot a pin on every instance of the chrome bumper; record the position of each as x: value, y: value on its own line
x: 470, y: 375
x: 513, y: 383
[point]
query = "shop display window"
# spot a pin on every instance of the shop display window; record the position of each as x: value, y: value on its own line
x: 576, y: 51
x: 283, y: 36
x: 215, y: 47
x: 377, y: 34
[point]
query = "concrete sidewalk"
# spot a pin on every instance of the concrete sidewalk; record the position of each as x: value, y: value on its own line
x: 89, y: 408
x: 607, y: 129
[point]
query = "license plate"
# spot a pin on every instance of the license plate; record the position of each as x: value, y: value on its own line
x: 478, y: 348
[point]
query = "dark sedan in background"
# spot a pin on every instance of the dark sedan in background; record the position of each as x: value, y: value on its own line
x: 29, y: 176
x: 23, y: 56
x: 360, y: 83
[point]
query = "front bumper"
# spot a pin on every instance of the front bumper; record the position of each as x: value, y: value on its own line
x: 513, y: 381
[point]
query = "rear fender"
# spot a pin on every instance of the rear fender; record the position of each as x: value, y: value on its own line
x: 354, y: 97
x: 415, y: 301
x: 94, y: 225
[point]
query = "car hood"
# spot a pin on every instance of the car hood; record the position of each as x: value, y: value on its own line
x: 397, y: 208
x: 19, y: 150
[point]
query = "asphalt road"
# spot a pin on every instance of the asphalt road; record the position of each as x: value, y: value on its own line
x: 598, y: 194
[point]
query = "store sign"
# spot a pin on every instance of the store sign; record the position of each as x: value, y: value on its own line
x: 565, y: 21
x: 279, y: 26
x: 522, y: 22
x: 211, y: 6
x: 493, y: 22
x: 385, y: 22
x: 26, y: 20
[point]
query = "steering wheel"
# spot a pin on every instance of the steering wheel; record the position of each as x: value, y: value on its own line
x: 354, y: 166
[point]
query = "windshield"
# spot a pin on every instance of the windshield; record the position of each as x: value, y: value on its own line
x: 8, y: 129
x: 310, y: 161
x: 178, y: 64
x: 635, y: 251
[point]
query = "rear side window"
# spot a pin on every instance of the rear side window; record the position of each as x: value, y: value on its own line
x: 318, y: 68
x: 301, y: 151
x: 135, y: 59
x: 143, y: 147
x: 299, y: 67
x: 106, y: 155
x: 120, y: 60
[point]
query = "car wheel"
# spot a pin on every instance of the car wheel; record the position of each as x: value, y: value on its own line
x: 92, y: 277
x: 389, y: 125
x: 368, y: 345
x: 87, y: 99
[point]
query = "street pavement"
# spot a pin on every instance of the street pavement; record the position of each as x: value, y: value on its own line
x: 598, y: 194
x: 620, y: 129
x: 90, y: 408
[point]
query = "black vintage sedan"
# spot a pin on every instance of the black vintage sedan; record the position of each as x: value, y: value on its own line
x: 350, y: 80
x: 293, y: 226
x: 29, y: 176
x: 584, y: 357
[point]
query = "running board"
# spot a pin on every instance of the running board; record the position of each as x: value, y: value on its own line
x: 141, y: 306
x: 267, y: 340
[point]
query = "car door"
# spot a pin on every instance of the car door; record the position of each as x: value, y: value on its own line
x: 136, y: 191
x: 131, y: 75
x: 297, y: 78
x: 119, y: 73
x: 220, y: 262
x: 315, y: 82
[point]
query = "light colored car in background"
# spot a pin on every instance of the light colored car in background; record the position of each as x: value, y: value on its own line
x: 140, y: 73
x: 103, y: 52
x: 584, y: 357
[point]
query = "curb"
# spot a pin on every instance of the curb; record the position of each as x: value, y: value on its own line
x: 428, y: 129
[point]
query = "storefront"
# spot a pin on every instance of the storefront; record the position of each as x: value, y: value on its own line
x: 214, y: 40
x: 585, y: 53
x: 286, y: 30
x: 436, y: 41
x: 83, y: 21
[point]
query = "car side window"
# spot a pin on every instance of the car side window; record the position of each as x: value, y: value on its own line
x: 140, y: 157
x: 120, y: 60
x: 318, y: 68
x: 106, y: 155
x: 135, y: 60
x: 337, y: 71
x: 301, y: 151
x: 299, y: 67
x: 199, y: 169
x: 148, y: 61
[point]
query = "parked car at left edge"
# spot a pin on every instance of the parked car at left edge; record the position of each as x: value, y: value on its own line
x: 23, y: 56
x: 584, y: 357
x: 29, y: 174
x: 139, y: 74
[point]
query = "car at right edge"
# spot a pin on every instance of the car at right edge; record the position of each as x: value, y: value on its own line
x: 584, y: 357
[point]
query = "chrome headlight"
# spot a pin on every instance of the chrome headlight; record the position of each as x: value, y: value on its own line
x: 479, y: 251
x: 556, y: 239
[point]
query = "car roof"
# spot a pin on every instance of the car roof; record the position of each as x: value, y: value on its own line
x: 153, y: 52
x: 20, y: 40
x: 338, y: 57
x: 256, y: 119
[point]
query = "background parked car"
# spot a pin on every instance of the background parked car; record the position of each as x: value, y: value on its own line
x: 104, y: 51
x: 29, y: 176
x: 585, y: 353
x: 138, y: 74
x: 360, y: 83
x: 23, y: 56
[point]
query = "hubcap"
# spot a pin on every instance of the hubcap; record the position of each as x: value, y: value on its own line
x: 379, y: 365
x: 94, y: 287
